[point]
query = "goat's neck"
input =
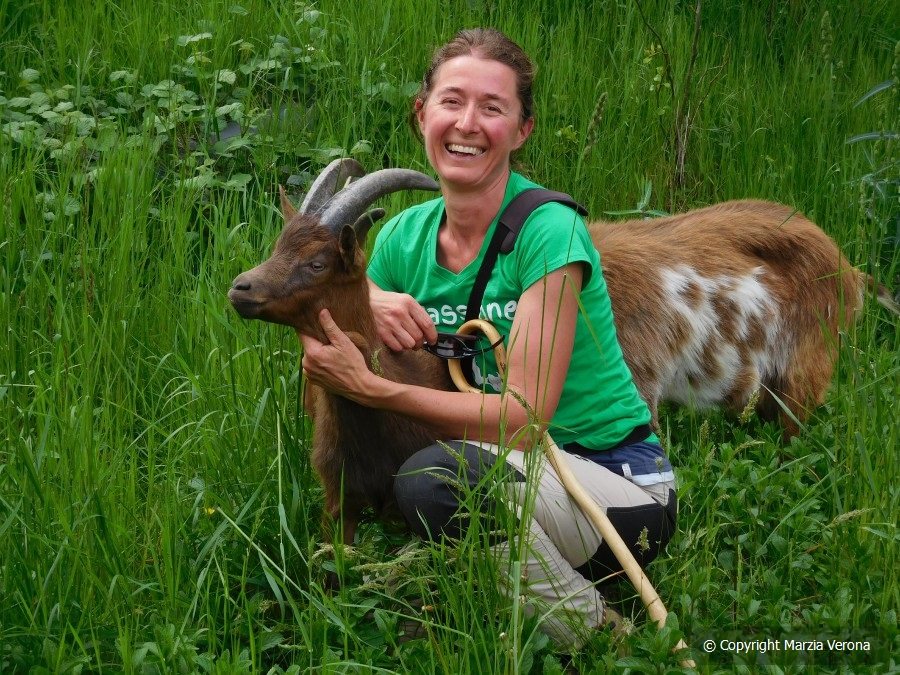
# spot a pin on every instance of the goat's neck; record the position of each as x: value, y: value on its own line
x: 349, y: 307
x: 354, y: 317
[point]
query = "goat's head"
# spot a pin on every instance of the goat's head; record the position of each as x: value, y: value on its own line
x: 318, y: 259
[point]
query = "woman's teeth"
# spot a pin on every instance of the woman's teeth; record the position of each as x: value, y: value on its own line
x: 464, y: 149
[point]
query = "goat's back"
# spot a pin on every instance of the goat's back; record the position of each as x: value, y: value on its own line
x: 710, y: 303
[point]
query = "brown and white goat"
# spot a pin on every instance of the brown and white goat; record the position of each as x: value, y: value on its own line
x: 712, y: 307
x: 722, y: 304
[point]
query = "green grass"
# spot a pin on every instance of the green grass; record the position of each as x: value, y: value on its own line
x: 157, y: 508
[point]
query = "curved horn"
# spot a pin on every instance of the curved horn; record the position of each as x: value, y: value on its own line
x: 330, y: 181
x: 365, y: 222
x: 350, y: 203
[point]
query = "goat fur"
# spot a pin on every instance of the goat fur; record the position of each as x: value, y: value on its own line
x: 356, y: 451
x: 718, y: 305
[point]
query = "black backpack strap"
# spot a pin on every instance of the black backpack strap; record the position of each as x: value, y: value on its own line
x: 517, y: 211
x: 504, y: 240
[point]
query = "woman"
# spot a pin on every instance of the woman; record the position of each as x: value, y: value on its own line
x: 474, y: 110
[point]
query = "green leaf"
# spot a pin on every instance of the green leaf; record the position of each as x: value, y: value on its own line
x: 874, y: 136
x: 311, y: 16
x: 184, y: 40
x: 273, y: 582
x: 234, y: 143
x: 228, y: 109
x: 200, y: 182
x: 29, y: 75
x: 267, y: 64
x: 409, y: 89
x: 238, y: 181
x: 270, y: 640
x: 325, y: 155
x: 125, y: 75
x: 637, y: 663
x: 237, y: 9
x: 226, y: 76
x: 887, y: 84
x: 362, y: 147
x: 71, y: 206
x: 645, y: 197
x: 552, y: 666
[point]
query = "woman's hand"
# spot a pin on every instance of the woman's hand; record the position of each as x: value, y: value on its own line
x: 337, y: 366
x: 401, y: 322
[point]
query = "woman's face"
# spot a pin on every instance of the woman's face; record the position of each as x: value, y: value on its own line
x: 472, y: 121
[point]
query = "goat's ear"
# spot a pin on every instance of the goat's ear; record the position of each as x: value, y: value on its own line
x: 348, y: 245
x: 287, y: 209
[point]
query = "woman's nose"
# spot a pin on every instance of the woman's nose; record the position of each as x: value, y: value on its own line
x: 466, y: 122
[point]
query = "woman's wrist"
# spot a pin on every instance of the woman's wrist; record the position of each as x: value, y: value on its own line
x: 372, y: 391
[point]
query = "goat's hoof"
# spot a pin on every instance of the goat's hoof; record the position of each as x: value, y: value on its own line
x: 411, y: 630
x: 615, y: 623
x: 332, y: 582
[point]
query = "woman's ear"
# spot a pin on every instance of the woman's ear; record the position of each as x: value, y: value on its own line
x: 525, y: 130
x: 419, y: 108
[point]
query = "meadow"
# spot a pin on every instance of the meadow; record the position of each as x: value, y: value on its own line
x: 157, y: 508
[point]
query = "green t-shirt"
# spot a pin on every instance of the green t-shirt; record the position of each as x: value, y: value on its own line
x: 600, y: 404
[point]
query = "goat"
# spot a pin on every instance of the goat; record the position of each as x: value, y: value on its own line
x: 731, y: 304
x: 318, y: 262
x: 714, y: 306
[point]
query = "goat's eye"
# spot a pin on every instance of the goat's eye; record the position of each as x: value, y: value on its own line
x: 317, y: 266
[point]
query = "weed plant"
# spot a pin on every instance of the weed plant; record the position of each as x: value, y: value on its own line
x: 157, y: 508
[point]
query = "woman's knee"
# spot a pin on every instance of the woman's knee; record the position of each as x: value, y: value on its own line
x: 646, y: 528
x: 429, y: 487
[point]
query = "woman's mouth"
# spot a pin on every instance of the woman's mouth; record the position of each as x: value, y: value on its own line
x: 463, y: 150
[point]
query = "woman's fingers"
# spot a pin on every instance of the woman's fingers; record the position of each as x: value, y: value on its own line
x: 337, y: 365
x: 334, y: 334
x: 401, y: 322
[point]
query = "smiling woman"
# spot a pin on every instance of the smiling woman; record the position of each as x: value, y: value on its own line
x: 471, y: 125
x: 474, y: 110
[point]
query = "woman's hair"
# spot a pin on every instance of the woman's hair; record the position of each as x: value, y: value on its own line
x: 485, y: 43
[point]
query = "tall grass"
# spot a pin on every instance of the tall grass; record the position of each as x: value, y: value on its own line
x: 157, y: 508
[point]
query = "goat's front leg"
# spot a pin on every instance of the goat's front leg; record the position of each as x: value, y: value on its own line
x: 310, y: 392
x: 348, y: 527
x: 345, y: 517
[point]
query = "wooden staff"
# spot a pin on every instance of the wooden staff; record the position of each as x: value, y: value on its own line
x: 588, y: 506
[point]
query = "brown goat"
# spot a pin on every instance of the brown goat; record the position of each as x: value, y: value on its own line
x: 711, y: 307
x: 318, y: 263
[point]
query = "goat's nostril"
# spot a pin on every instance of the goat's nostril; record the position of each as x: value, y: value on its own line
x: 241, y: 285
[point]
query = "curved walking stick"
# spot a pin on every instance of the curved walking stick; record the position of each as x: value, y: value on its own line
x: 589, y: 507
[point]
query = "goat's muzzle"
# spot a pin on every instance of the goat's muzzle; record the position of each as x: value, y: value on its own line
x: 243, y: 298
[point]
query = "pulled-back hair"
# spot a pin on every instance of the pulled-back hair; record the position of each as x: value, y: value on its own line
x: 485, y: 43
